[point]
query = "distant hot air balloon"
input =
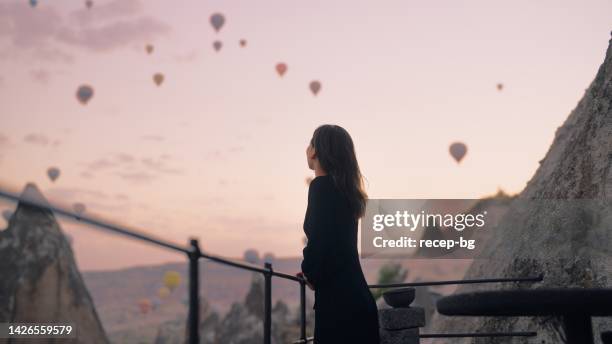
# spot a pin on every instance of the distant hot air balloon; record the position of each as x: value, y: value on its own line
x: 217, y: 45
x: 155, y: 304
x: 158, y: 78
x: 144, y: 305
x: 79, y: 208
x: 251, y: 256
x: 281, y: 68
x: 172, y: 279
x: 7, y: 214
x: 53, y: 173
x: 149, y: 48
x: 89, y: 4
x: 243, y: 43
x: 500, y: 86
x: 33, y: 3
x: 308, y: 180
x: 458, y: 151
x: 269, y: 258
x: 163, y: 292
x: 84, y: 94
x: 217, y: 20
x: 315, y: 87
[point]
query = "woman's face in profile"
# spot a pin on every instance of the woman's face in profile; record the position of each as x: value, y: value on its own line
x: 310, y: 156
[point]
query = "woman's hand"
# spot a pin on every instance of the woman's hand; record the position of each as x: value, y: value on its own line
x: 302, y: 276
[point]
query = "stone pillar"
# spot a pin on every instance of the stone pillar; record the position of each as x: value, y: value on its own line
x: 400, y: 324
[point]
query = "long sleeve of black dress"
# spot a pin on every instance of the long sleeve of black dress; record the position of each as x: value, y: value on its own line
x: 345, y: 311
x: 319, y: 218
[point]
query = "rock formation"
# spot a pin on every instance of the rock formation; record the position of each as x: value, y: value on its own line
x: 40, y: 281
x: 577, y: 253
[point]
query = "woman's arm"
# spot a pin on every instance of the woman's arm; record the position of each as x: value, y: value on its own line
x: 320, y: 236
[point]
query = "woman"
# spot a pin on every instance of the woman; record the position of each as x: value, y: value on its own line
x: 345, y: 311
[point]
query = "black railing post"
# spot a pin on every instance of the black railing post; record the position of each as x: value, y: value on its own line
x: 303, y: 311
x: 194, y: 293
x: 268, y: 304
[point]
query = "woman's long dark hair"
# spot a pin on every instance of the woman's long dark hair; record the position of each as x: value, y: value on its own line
x: 336, y: 154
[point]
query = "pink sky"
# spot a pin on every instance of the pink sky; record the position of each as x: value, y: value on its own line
x: 217, y: 151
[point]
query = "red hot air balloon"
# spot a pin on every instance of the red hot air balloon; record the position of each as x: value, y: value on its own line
x: 500, y: 86
x: 243, y: 43
x: 144, y: 305
x: 158, y: 79
x: 149, y: 48
x: 315, y: 87
x: 89, y: 4
x: 281, y: 68
x: 457, y: 150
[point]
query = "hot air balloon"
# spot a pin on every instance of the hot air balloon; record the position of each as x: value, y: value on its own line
x: 158, y: 78
x: 163, y: 292
x: 500, y: 86
x: 79, y: 208
x: 251, y: 256
x: 269, y: 258
x: 53, y: 173
x: 217, y: 20
x: 149, y: 48
x: 33, y: 3
x: 7, y: 215
x: 315, y: 87
x: 89, y: 4
x: 84, y: 94
x: 281, y: 68
x: 172, y: 279
x: 155, y: 304
x: 144, y: 305
x: 217, y: 45
x: 243, y: 43
x: 457, y: 151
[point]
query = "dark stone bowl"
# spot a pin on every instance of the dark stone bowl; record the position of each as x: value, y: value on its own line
x: 399, y: 298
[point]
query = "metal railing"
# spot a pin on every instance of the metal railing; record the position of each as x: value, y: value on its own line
x: 194, y: 254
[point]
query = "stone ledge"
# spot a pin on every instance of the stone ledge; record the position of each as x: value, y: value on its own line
x: 407, y: 336
x: 401, y: 318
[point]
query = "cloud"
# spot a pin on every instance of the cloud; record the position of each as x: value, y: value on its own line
x: 137, y: 177
x: 124, y: 158
x: 131, y: 169
x: 222, y: 155
x: 40, y: 75
x: 100, y: 164
x: 110, y: 10
x: 40, y: 139
x: 157, y: 138
x: 46, y: 34
x: 72, y: 194
x: 117, y: 34
x: 159, y: 165
x: 187, y: 57
x: 86, y: 175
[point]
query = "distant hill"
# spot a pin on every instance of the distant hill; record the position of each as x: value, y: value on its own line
x: 116, y: 293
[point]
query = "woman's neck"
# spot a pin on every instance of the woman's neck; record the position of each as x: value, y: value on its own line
x: 319, y: 172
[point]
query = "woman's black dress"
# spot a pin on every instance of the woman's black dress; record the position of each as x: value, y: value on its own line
x: 345, y: 311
